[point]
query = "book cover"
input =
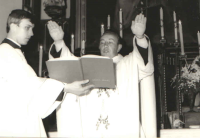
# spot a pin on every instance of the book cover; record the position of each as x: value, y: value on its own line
x: 99, y: 70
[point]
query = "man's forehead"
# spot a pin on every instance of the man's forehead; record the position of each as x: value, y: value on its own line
x: 26, y: 22
x: 108, y: 37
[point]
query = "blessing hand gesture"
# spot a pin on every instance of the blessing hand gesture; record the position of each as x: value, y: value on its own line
x: 55, y: 31
x: 138, y: 26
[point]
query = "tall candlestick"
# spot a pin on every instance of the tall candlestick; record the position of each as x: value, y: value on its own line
x: 83, y: 48
x: 198, y: 38
x: 120, y: 24
x: 108, y: 22
x: 175, y: 27
x: 161, y: 23
x: 40, y: 61
x: 72, y: 43
x: 181, y: 38
x: 102, y: 29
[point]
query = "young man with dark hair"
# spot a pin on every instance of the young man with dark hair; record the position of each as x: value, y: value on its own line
x: 25, y: 98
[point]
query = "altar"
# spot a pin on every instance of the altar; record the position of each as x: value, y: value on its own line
x: 178, y: 82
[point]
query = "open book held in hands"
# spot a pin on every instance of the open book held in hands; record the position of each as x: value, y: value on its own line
x: 99, y: 70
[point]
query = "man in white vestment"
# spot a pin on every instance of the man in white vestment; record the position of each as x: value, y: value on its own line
x: 129, y: 111
x: 25, y: 98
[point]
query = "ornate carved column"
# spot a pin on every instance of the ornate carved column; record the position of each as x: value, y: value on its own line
x: 162, y: 83
x: 80, y: 31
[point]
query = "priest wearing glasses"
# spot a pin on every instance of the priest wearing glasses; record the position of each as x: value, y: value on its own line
x: 116, y: 112
x: 25, y: 98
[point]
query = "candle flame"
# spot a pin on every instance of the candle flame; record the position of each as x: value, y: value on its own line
x: 72, y: 35
x: 179, y: 21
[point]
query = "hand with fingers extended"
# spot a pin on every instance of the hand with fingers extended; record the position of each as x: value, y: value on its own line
x: 78, y: 89
x: 55, y: 31
x: 138, y: 26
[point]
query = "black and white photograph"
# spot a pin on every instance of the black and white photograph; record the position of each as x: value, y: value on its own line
x: 100, y: 68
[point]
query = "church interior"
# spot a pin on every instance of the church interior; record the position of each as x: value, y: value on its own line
x: 172, y: 28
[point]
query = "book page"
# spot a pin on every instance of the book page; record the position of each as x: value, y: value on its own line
x: 94, y: 56
x: 64, y: 58
x: 66, y: 71
x: 100, y: 71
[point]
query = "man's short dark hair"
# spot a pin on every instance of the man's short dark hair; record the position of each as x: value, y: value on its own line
x: 16, y: 16
x: 114, y: 33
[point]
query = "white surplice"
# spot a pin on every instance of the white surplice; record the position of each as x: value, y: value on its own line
x: 24, y: 98
x: 114, y: 113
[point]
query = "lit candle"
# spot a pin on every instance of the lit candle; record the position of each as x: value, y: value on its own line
x: 120, y: 23
x: 198, y: 38
x: 40, y: 61
x: 72, y: 43
x: 83, y: 48
x: 108, y: 22
x: 175, y: 27
x: 181, y: 38
x: 161, y: 23
x: 102, y: 29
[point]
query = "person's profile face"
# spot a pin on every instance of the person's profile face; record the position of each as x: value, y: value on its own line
x: 108, y: 45
x: 24, y: 31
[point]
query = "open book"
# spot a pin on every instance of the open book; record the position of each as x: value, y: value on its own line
x: 99, y: 70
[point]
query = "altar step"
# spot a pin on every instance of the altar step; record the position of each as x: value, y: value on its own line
x: 179, y: 133
x: 189, y: 118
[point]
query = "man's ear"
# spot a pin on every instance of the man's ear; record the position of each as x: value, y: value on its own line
x: 119, y: 47
x: 13, y: 27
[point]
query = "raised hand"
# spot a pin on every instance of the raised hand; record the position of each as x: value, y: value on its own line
x: 77, y: 88
x: 55, y: 31
x: 138, y: 26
